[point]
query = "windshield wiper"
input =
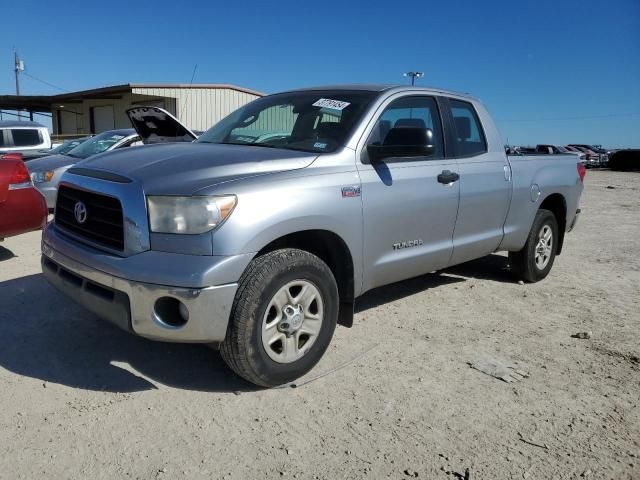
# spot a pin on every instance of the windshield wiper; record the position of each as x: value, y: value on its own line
x: 243, y: 143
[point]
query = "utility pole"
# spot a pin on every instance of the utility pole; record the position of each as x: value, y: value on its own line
x: 18, y: 69
x: 413, y: 76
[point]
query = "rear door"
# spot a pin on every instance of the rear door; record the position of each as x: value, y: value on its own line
x: 408, y: 216
x: 485, y: 185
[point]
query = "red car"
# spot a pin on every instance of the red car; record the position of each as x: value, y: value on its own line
x: 22, y: 206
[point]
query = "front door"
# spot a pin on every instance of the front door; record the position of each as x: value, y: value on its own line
x: 409, y: 215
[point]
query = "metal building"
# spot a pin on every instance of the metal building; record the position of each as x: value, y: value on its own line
x: 198, y: 106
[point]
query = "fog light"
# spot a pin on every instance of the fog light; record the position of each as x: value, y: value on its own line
x: 171, y: 312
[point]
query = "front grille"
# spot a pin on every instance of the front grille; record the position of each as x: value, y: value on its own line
x: 103, y: 224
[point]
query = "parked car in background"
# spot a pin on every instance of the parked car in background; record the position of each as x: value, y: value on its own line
x: 151, y: 125
x: 521, y: 150
x: 625, y: 160
x: 22, y: 206
x: 550, y: 149
x: 66, y: 147
x: 557, y: 149
x: 26, y: 138
x: 603, y: 154
x: 261, y: 243
x: 57, y: 148
x: 594, y: 157
x: 46, y: 172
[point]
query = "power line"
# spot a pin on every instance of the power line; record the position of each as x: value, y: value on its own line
x: 45, y: 82
x: 583, y: 117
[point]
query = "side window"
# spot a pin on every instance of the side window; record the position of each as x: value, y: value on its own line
x: 409, y: 112
x: 468, y: 136
x: 26, y: 137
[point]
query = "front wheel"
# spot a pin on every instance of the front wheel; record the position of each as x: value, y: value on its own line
x: 534, y: 261
x: 283, y: 317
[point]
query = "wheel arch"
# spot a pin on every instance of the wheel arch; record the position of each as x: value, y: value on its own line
x: 557, y: 204
x: 334, y: 251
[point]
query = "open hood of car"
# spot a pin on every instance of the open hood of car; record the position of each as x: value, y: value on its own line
x: 156, y: 125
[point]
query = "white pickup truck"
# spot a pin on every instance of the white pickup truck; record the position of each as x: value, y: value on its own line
x: 259, y: 236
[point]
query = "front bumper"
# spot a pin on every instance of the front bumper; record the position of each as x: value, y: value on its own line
x: 132, y: 305
x: 50, y: 193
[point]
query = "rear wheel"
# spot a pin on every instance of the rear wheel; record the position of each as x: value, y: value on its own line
x: 283, y: 317
x: 534, y: 261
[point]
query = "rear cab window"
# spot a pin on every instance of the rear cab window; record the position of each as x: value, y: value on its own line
x: 26, y: 137
x: 469, y: 138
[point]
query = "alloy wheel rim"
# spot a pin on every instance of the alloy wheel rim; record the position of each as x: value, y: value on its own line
x: 544, y: 247
x: 292, y: 321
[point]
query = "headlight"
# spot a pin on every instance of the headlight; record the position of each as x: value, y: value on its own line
x: 190, y: 215
x: 41, y: 177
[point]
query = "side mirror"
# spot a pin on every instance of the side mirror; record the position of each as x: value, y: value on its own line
x: 403, y: 142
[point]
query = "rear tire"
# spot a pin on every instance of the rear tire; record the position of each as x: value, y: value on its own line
x: 283, y: 317
x: 534, y: 261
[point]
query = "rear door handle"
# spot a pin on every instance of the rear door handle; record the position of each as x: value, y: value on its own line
x: 447, y: 176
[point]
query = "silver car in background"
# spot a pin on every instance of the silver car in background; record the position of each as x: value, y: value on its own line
x: 47, y: 171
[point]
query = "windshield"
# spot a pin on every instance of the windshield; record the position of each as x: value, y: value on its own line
x: 98, y: 144
x: 312, y: 121
x: 66, y: 147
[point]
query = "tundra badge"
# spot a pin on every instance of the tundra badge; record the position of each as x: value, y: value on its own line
x: 410, y: 243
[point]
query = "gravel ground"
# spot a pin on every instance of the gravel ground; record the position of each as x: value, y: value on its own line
x: 81, y: 399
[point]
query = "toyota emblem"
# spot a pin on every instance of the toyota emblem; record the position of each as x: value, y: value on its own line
x: 80, y: 212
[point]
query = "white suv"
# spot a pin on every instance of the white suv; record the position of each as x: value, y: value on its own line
x: 27, y: 138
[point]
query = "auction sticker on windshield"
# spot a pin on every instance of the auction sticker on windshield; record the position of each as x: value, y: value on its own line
x: 331, y: 104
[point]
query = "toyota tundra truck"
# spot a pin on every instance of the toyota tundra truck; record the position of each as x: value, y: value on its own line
x: 258, y: 236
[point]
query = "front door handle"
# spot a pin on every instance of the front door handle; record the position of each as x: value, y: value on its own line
x: 447, y: 176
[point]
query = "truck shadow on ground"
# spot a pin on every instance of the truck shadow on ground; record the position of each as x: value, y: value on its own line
x: 46, y: 336
x: 493, y: 268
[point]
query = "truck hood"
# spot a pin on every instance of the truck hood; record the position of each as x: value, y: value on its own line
x: 186, y: 168
x: 156, y: 125
x: 50, y: 162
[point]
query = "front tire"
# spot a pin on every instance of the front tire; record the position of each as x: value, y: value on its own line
x: 534, y: 261
x: 283, y: 317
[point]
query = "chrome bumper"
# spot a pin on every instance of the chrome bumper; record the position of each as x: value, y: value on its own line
x: 50, y: 193
x: 132, y: 305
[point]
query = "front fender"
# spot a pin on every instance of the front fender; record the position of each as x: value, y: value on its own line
x: 270, y: 210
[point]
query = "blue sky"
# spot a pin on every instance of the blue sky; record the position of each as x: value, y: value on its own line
x: 549, y: 71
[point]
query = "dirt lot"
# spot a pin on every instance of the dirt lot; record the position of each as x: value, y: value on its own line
x: 81, y: 399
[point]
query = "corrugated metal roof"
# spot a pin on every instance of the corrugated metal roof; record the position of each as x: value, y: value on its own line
x: 43, y: 102
x: 128, y: 87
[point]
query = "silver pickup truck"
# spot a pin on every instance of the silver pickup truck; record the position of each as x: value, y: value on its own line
x: 259, y: 236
